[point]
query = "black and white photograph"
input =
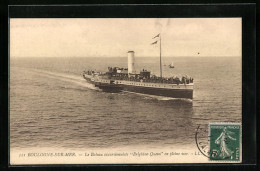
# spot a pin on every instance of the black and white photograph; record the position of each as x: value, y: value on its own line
x: 125, y: 90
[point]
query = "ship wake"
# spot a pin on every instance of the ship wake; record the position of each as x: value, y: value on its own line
x: 67, y: 78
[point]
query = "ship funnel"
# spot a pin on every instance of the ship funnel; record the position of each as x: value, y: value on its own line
x: 131, y: 62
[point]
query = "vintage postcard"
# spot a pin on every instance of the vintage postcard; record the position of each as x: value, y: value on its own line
x: 125, y: 90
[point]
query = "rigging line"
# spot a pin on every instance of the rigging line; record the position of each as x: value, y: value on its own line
x: 160, y: 56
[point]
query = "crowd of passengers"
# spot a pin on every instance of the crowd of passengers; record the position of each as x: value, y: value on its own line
x: 89, y: 72
x: 153, y: 79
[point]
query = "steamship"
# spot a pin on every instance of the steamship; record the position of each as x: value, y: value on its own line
x: 118, y: 79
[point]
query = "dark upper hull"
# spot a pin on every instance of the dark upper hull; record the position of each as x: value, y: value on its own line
x: 174, y: 93
x: 178, y: 92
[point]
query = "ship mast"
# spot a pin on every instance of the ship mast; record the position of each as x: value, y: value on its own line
x: 159, y: 35
x: 160, y: 57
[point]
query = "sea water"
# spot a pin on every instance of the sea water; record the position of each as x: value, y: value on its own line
x: 51, y: 105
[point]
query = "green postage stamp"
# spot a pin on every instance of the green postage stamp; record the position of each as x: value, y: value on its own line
x: 225, y: 142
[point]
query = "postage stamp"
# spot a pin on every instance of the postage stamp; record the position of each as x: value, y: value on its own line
x: 225, y: 142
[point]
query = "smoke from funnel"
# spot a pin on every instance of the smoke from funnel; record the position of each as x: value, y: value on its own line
x: 161, y: 24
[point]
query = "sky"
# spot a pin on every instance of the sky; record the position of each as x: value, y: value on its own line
x: 107, y: 37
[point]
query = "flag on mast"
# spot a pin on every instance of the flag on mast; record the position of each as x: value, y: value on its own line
x: 154, y: 42
x: 156, y: 36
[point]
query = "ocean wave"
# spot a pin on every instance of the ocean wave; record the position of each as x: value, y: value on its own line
x: 160, y: 98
